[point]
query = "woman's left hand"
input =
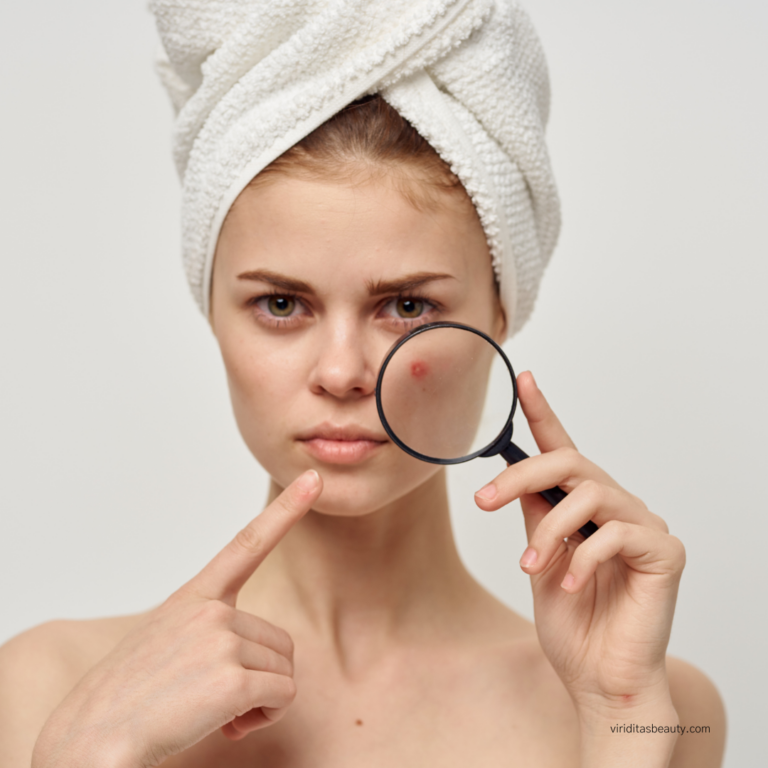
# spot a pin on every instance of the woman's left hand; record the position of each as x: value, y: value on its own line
x: 603, y: 606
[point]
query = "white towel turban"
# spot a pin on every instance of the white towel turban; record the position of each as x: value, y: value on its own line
x: 250, y: 78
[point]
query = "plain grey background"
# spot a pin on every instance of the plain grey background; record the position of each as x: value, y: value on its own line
x: 122, y: 471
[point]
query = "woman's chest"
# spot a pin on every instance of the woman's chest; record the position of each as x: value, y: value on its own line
x: 447, y: 715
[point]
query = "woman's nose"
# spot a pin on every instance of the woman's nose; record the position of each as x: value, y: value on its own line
x: 343, y: 367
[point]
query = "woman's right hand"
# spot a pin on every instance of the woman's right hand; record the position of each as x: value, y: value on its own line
x: 192, y: 665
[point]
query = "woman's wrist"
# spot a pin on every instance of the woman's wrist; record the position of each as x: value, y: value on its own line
x: 628, y: 734
x: 85, y: 752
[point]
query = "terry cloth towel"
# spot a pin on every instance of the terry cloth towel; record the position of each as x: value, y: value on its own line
x: 250, y: 78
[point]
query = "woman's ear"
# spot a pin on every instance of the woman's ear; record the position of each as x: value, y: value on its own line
x: 210, y: 310
x: 500, y: 325
x: 211, y: 319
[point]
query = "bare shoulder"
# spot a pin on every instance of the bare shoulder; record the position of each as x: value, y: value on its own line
x: 702, y: 714
x: 39, y: 667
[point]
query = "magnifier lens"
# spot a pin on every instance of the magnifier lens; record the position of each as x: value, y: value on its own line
x: 433, y: 393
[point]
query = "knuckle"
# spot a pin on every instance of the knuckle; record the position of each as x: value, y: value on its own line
x: 269, y: 661
x: 215, y: 612
x: 289, y: 503
x: 547, y: 529
x: 678, y: 549
x: 250, y: 540
x: 286, y: 641
x: 615, y: 528
x: 660, y: 522
x: 570, y: 455
x: 278, y: 664
x: 582, y: 557
x: 570, y: 461
x: 289, y: 688
x: 239, y: 686
x: 592, y: 491
x: 228, y: 645
x: 235, y: 684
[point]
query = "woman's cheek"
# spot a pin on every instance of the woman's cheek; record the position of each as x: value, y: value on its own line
x: 262, y: 388
x: 262, y: 399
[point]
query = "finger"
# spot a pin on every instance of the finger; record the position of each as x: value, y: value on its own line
x: 260, y: 631
x: 272, y: 692
x: 223, y: 577
x: 252, y: 720
x: 277, y: 691
x: 546, y: 428
x: 257, y: 718
x: 535, y: 508
x: 255, y: 689
x: 564, y: 467
x: 241, y: 726
x: 259, y: 658
x: 589, y: 501
x: 645, y: 550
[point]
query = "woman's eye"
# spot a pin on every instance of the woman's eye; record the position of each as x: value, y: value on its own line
x: 409, y: 308
x: 281, y: 306
x: 279, y: 310
x: 406, y: 309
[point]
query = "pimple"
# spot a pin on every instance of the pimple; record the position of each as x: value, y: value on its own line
x: 419, y: 369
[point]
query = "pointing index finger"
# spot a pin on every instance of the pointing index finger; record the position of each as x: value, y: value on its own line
x: 223, y: 577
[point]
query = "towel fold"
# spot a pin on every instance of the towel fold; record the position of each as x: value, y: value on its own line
x: 250, y: 78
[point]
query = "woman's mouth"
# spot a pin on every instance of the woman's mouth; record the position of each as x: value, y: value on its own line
x: 341, y: 445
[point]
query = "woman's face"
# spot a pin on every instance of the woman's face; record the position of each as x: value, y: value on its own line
x: 313, y: 282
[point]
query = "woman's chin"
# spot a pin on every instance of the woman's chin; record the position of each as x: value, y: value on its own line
x: 357, y: 495
x: 358, y: 491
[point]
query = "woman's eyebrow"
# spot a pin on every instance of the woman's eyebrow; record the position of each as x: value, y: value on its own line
x: 375, y: 287
x: 405, y: 283
x: 278, y: 280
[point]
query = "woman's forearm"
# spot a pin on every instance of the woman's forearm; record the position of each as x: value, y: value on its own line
x: 83, y: 751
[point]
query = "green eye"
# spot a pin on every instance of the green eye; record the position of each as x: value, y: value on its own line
x: 409, y: 308
x: 281, y: 306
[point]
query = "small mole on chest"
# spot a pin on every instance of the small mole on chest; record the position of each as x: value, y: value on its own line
x: 358, y: 722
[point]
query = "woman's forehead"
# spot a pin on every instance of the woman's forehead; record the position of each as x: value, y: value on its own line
x: 367, y: 231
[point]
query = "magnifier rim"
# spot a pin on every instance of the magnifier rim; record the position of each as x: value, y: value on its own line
x: 399, y: 343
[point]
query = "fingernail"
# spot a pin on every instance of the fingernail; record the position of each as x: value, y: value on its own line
x: 308, y: 481
x: 528, y: 558
x: 568, y: 581
x: 489, y: 492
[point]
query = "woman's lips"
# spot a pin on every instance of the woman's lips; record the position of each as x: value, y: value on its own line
x: 341, y: 444
x: 341, y: 451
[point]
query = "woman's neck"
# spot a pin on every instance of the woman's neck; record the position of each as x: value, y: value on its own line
x: 362, y: 584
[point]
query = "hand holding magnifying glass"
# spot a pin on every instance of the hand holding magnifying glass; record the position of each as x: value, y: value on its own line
x: 430, y: 395
x: 614, y: 592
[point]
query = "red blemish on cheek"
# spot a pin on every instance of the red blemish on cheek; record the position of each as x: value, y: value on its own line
x: 419, y: 369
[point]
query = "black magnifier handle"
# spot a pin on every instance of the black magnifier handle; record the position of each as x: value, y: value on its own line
x: 513, y: 454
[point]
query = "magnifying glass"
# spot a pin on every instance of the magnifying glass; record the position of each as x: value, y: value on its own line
x: 431, y: 398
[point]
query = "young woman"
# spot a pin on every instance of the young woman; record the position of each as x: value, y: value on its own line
x: 340, y: 626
